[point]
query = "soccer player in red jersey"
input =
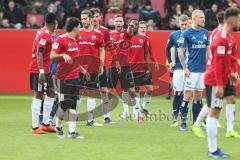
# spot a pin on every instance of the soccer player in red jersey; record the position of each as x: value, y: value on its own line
x: 40, y: 80
x: 139, y: 58
x: 120, y: 69
x: 91, y: 47
x: 217, y: 76
x: 97, y: 17
x: 65, y: 50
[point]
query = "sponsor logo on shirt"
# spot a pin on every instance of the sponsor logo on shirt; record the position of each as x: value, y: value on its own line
x: 55, y: 45
x: 136, y: 46
x: 43, y: 41
x: 93, y: 37
x: 197, y: 46
x: 221, y: 49
x: 87, y: 43
x: 72, y: 49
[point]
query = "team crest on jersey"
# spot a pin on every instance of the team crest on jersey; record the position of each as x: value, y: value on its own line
x: 94, y: 37
x: 204, y: 37
x: 141, y: 40
x: 121, y: 35
x: 181, y: 40
x: 80, y: 37
x: 69, y: 44
x: 193, y: 37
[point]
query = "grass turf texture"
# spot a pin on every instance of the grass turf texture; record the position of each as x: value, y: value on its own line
x: 126, y: 140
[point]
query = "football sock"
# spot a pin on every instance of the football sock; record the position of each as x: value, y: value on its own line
x: 36, y: 108
x: 202, y: 115
x: 230, y: 116
x: 47, y: 108
x: 184, y: 111
x: 91, y: 104
x: 212, y: 133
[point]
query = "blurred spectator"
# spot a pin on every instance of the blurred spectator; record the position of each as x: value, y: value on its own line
x: 211, y: 19
x: 171, y: 25
x: 177, y: 12
x: 14, y: 15
x: 149, y: 13
x: 36, y: 7
x: 95, y: 4
x: 189, y: 10
x: 5, y: 24
x: 222, y: 4
x: 1, y: 15
x: 151, y: 25
x: 79, y: 4
x: 72, y: 11
x: 133, y: 6
x: 114, y: 10
x: 33, y: 23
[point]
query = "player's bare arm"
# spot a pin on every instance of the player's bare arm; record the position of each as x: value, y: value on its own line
x: 102, y: 58
x: 172, y: 51
x: 182, y: 61
x: 147, y: 60
x: 55, y: 56
x: 40, y: 65
x: 130, y: 29
x: 208, y: 53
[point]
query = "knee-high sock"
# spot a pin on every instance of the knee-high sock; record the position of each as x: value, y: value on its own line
x: 146, y: 100
x: 177, y: 101
x: 230, y: 116
x: 212, y: 133
x: 47, y: 108
x: 105, y: 104
x: 184, y: 111
x: 202, y: 115
x: 91, y: 104
x: 72, y: 124
x: 54, y: 109
x: 36, y: 108
x: 196, y: 108
x: 137, y: 105
x: 125, y: 100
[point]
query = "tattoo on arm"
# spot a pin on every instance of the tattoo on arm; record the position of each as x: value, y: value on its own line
x: 182, y: 58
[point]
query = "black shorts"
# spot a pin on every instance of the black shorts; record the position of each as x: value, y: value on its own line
x: 93, y: 84
x: 36, y: 86
x: 140, y: 79
x: 229, y: 90
x: 103, y: 79
x: 212, y: 100
x: 125, y: 78
x: 68, y: 86
x: 68, y: 93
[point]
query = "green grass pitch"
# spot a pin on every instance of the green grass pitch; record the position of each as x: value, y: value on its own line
x: 126, y: 140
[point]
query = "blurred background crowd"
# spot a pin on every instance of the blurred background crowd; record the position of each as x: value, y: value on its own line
x: 159, y: 14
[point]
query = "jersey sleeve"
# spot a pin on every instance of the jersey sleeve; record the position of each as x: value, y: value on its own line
x: 182, y: 42
x: 57, y: 45
x: 219, y: 58
x: 170, y: 44
x: 44, y: 40
x: 234, y: 59
x: 101, y: 40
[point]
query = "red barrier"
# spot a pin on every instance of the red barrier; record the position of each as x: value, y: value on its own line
x: 15, y: 56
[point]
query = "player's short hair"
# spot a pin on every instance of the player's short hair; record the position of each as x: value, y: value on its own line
x: 72, y: 23
x: 95, y: 10
x: 220, y: 17
x: 118, y: 16
x: 88, y: 13
x: 50, y: 19
x: 196, y: 11
x: 231, y: 12
x: 142, y: 22
x: 183, y: 18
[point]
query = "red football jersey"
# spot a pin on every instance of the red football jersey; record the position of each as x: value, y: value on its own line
x: 43, y: 39
x: 222, y: 47
x: 122, y: 42
x: 106, y: 36
x: 66, y: 45
x: 137, y: 60
x: 89, y: 44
